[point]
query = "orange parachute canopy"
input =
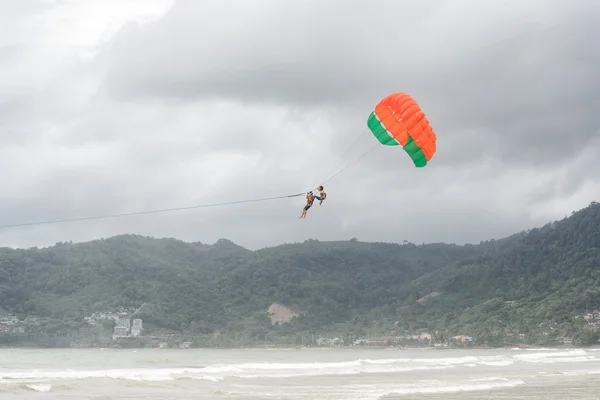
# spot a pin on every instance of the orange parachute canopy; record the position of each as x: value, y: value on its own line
x: 398, y: 120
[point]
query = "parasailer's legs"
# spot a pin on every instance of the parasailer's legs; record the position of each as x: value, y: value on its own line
x: 310, y: 197
x: 303, y: 215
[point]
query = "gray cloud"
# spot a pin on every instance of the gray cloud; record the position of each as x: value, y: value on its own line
x: 223, y: 101
x: 493, y: 68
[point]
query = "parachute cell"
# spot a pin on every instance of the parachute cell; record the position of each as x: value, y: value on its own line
x: 398, y: 120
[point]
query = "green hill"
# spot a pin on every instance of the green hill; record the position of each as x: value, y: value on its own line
x: 534, y: 282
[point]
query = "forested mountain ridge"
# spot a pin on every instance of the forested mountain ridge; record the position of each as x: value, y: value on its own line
x: 539, y: 281
x: 536, y: 281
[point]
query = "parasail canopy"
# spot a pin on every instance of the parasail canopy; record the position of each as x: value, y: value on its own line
x: 398, y: 120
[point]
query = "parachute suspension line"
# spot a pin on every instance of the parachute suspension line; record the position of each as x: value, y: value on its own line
x: 56, y: 221
x: 343, y: 157
x: 210, y: 205
x: 353, y: 163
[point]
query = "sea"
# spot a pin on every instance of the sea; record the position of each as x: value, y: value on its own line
x: 299, y: 374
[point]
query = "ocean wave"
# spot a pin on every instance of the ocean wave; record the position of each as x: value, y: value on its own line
x: 218, y: 372
x: 581, y: 372
x: 489, y: 379
x: 360, y: 366
x: 336, y: 372
x: 124, y: 374
x: 29, y: 387
x: 535, y: 349
x: 569, y: 356
x: 449, y: 388
x: 39, y: 387
x: 501, y: 363
x: 375, y: 392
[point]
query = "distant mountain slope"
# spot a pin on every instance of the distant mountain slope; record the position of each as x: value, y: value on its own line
x: 546, y: 274
x: 543, y: 276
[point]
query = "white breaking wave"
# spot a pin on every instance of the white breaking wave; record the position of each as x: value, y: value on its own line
x: 535, y: 349
x: 569, y: 356
x: 489, y: 379
x: 40, y: 387
x: 218, y: 372
x: 379, y: 391
x: 445, y: 388
x: 125, y: 374
x: 581, y: 372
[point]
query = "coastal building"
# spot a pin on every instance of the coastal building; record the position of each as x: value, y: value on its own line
x: 124, y: 323
x: 126, y: 328
x: 136, y: 329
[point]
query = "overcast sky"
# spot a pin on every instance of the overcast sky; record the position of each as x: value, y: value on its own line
x: 133, y: 105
